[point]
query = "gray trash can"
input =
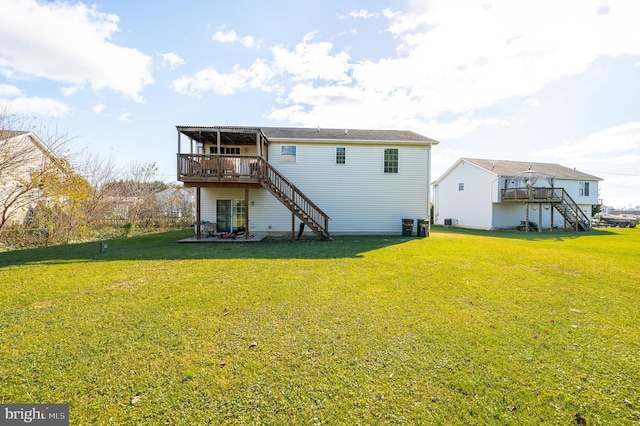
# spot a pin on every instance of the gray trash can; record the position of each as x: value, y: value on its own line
x: 423, y: 227
x: 407, y: 227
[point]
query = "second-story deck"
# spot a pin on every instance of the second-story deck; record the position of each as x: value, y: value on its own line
x: 218, y: 170
x: 556, y: 197
x: 532, y: 195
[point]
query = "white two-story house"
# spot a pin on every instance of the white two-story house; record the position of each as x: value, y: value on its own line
x: 338, y: 181
x: 496, y: 194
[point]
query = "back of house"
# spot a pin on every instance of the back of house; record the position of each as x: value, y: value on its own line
x: 501, y: 194
x: 357, y: 181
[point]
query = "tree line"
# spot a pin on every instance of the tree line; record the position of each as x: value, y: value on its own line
x: 50, y: 195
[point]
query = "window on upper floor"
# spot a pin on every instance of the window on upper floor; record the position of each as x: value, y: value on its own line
x: 227, y: 150
x: 584, y: 189
x: 461, y: 186
x: 341, y: 155
x: 391, y: 160
x: 288, y: 154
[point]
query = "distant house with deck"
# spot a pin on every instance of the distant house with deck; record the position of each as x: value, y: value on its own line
x: 338, y: 181
x: 497, y: 194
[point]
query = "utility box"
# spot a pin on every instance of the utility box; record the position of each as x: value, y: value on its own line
x: 407, y: 227
x: 423, y: 228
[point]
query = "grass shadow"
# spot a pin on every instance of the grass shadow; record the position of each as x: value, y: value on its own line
x: 161, y: 246
x: 557, y: 234
x: 165, y: 246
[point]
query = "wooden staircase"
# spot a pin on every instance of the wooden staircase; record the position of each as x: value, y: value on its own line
x: 574, y: 217
x: 572, y: 214
x: 289, y: 195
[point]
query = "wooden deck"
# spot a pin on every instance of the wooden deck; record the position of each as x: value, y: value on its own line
x: 531, y: 195
x: 217, y: 170
x: 247, y: 171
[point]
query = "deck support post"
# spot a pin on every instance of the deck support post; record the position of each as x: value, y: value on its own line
x: 526, y: 218
x: 293, y: 224
x: 552, y: 209
x: 246, y: 212
x: 540, y: 217
x: 198, y: 214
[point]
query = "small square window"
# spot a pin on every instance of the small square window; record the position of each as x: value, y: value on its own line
x: 288, y: 154
x: 461, y: 186
x: 341, y: 155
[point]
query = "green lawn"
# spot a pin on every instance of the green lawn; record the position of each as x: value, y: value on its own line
x: 462, y: 327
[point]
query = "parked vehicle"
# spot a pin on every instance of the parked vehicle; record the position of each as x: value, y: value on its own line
x: 618, y: 221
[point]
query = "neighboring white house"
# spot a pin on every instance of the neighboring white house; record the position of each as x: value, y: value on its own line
x: 22, y: 154
x: 338, y: 181
x: 495, y: 194
x: 177, y: 203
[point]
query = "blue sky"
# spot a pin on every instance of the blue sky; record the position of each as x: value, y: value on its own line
x: 501, y: 79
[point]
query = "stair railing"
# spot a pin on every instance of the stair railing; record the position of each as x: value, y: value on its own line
x: 293, y: 198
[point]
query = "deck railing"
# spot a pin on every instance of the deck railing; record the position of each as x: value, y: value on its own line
x: 217, y: 166
x: 550, y: 195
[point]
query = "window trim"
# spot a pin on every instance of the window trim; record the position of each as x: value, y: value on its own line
x: 583, y: 189
x: 391, y: 165
x: 293, y: 155
x: 341, y: 157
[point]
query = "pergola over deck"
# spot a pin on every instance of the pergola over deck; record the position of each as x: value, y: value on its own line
x: 221, y: 136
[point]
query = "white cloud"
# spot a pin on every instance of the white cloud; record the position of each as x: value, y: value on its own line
x: 258, y: 76
x: 172, y: 60
x: 9, y: 90
x: 453, y: 57
x: 125, y: 116
x: 71, y: 90
x: 618, y: 139
x: 311, y: 61
x: 232, y: 37
x: 456, y: 56
x: 364, y: 14
x: 533, y: 103
x: 69, y: 43
x: 98, y: 108
x: 36, y: 105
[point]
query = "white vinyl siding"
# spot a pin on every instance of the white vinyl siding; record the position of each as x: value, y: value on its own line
x: 358, y: 196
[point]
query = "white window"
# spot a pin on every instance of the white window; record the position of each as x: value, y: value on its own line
x: 461, y: 186
x: 584, y: 189
x: 228, y: 150
x: 288, y: 154
x: 341, y: 155
x: 391, y: 160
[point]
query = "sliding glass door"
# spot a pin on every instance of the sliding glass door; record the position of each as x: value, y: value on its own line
x: 230, y: 214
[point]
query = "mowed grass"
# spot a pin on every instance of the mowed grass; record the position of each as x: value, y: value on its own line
x: 462, y: 327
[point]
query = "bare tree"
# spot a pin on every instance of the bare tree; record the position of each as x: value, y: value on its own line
x: 25, y: 158
x: 99, y: 173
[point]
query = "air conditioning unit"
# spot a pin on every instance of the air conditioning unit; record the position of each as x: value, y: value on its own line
x: 448, y: 222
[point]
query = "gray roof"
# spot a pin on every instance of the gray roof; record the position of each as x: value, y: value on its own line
x: 319, y: 133
x: 238, y: 133
x: 515, y: 168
